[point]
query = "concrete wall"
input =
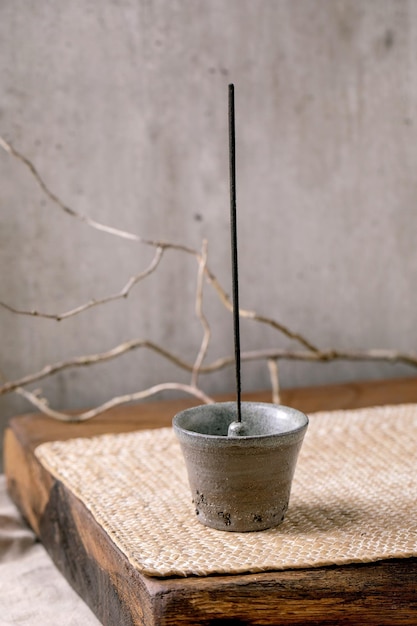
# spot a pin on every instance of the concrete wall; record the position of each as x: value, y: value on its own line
x: 122, y: 107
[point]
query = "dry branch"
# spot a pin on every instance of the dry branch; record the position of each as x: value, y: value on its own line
x: 262, y: 319
x: 325, y: 356
x: 274, y: 376
x: 162, y: 245
x: 311, y: 352
x: 200, y: 315
x: 93, y: 359
x: 110, y: 230
x: 123, y: 293
x: 42, y: 403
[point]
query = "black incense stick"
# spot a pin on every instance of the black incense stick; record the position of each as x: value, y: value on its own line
x: 233, y: 231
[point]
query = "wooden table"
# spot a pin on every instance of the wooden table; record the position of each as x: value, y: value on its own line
x: 379, y: 593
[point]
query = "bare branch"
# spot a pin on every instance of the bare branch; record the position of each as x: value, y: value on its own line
x: 389, y: 356
x: 123, y: 293
x: 132, y: 236
x: 311, y: 352
x: 5, y: 146
x: 42, y: 404
x: 200, y: 315
x: 54, y: 198
x: 259, y: 318
x: 273, y: 373
x: 110, y: 230
x: 92, y: 359
x: 127, y: 235
x: 322, y: 356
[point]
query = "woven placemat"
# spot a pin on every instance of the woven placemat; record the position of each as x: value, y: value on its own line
x: 353, y: 499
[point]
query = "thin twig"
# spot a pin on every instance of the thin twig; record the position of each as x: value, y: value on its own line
x: 252, y: 315
x: 164, y: 245
x: 56, y: 200
x: 325, y: 356
x: 123, y: 293
x: 92, y: 359
x: 274, y: 376
x: 201, y: 316
x: 272, y: 356
x: 322, y: 356
x: 9, y: 148
x: 42, y: 403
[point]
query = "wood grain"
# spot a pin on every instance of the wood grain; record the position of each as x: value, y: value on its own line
x: 376, y: 594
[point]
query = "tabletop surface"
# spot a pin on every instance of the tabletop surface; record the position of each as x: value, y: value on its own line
x: 32, y: 591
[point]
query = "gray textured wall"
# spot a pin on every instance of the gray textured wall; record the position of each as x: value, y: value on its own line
x: 122, y: 108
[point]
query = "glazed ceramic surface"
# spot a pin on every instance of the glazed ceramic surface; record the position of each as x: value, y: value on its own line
x: 240, y: 475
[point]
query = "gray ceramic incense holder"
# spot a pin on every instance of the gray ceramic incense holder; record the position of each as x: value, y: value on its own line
x: 240, y: 473
x: 240, y: 456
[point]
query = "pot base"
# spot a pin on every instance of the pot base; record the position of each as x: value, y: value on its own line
x: 235, y: 519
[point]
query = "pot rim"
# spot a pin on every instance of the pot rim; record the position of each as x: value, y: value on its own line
x: 288, y: 433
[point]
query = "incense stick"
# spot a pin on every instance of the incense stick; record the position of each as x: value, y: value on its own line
x: 233, y: 231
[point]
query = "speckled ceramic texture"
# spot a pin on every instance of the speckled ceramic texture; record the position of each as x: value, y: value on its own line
x: 240, y: 483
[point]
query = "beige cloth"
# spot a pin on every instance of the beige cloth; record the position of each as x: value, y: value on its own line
x: 353, y: 500
x: 32, y: 591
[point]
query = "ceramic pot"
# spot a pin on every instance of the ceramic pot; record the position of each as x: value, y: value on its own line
x: 240, y: 474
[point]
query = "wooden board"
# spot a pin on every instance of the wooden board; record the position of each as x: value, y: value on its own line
x: 375, y: 594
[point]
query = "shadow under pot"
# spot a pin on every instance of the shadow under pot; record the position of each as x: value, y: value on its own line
x: 240, y: 473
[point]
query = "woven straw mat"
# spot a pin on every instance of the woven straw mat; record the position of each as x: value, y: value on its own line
x: 353, y: 498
